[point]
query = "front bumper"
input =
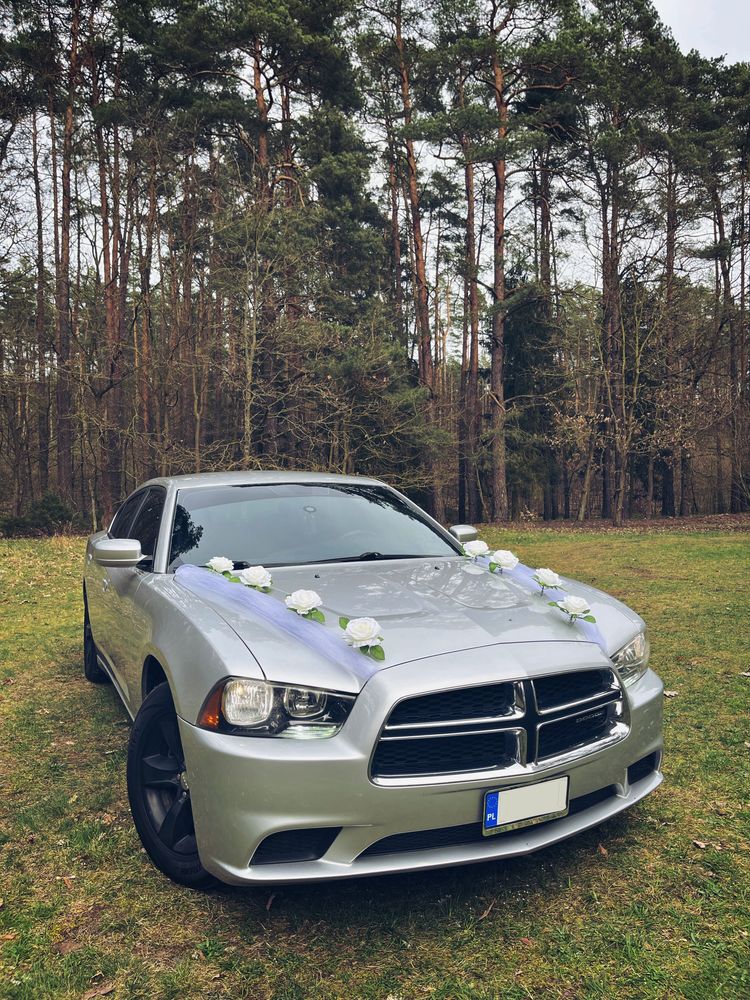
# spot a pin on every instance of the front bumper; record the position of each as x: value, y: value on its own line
x: 244, y: 789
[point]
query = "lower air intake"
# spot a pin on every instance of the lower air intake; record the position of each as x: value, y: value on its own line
x: 295, y: 845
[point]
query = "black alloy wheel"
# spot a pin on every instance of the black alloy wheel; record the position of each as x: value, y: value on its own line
x: 159, y: 791
x: 91, y: 669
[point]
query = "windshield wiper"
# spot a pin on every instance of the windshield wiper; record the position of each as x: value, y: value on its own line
x: 372, y: 557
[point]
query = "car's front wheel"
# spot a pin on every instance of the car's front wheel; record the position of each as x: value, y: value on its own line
x: 159, y: 791
x: 91, y: 669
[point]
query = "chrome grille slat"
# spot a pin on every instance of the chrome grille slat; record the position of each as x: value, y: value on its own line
x: 540, y: 723
x: 441, y: 736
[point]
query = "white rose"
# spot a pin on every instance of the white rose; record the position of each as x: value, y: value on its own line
x: 574, y: 605
x: 505, y: 559
x: 255, y: 576
x: 220, y: 564
x: 303, y: 601
x: 363, y: 632
x: 547, y: 578
x: 476, y: 548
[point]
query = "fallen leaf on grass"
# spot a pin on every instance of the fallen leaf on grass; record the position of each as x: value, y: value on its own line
x: 670, y: 694
x: 10, y: 936
x: 747, y: 744
x: 602, y: 850
x: 99, y: 991
x: 526, y: 940
x: 487, y: 911
x: 745, y: 673
x: 269, y: 901
x: 701, y: 843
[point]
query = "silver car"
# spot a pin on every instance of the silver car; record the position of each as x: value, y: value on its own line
x: 480, y: 723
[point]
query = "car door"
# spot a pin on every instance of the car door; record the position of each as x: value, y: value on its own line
x: 132, y: 627
x: 101, y: 596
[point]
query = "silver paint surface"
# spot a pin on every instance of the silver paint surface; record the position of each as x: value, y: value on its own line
x: 447, y: 624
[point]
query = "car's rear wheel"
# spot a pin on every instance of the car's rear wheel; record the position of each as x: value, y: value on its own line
x: 159, y: 791
x: 91, y: 669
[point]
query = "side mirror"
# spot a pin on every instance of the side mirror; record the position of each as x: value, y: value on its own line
x: 463, y: 533
x: 122, y: 552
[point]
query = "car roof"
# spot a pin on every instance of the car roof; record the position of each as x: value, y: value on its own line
x: 256, y: 478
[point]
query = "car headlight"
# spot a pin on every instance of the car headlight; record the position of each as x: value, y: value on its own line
x: 248, y: 707
x: 632, y: 660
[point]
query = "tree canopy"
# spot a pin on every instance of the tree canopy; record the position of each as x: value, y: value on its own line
x: 495, y: 253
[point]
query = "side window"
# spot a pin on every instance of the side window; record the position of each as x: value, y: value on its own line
x: 146, y: 525
x: 124, y: 516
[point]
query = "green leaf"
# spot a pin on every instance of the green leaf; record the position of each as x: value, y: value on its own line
x: 552, y: 604
x: 493, y: 567
x: 376, y: 652
x: 589, y: 618
x: 343, y: 622
x: 232, y: 579
x: 316, y: 615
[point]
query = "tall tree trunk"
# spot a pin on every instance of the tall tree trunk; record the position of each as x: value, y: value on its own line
x: 729, y: 320
x: 472, y: 414
x: 668, y: 456
x: 40, y: 322
x: 497, y: 343
x: 424, y: 335
x: 62, y: 284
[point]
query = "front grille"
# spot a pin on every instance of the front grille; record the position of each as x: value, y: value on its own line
x: 563, y: 689
x: 444, y: 754
x: 470, y: 833
x: 491, y: 701
x: 494, y: 727
x: 573, y: 731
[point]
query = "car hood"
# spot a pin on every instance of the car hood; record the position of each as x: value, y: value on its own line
x: 425, y: 607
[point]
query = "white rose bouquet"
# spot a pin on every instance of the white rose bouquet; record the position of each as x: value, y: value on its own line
x: 307, y: 604
x: 476, y: 548
x: 547, y: 578
x: 220, y: 564
x: 256, y: 577
x: 503, y: 559
x: 574, y: 607
x: 363, y: 634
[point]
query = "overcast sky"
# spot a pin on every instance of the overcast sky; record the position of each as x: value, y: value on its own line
x: 713, y: 27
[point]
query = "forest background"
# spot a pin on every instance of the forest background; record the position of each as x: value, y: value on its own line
x: 494, y: 253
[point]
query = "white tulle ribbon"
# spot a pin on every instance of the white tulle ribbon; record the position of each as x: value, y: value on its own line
x: 211, y: 586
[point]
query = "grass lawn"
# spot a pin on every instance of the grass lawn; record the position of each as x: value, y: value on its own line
x: 655, y: 903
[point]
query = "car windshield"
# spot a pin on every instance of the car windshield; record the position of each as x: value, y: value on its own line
x: 295, y: 523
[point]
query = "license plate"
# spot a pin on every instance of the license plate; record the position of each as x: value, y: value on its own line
x: 524, y: 805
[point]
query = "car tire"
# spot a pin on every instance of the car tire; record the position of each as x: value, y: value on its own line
x: 91, y: 669
x: 159, y: 793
